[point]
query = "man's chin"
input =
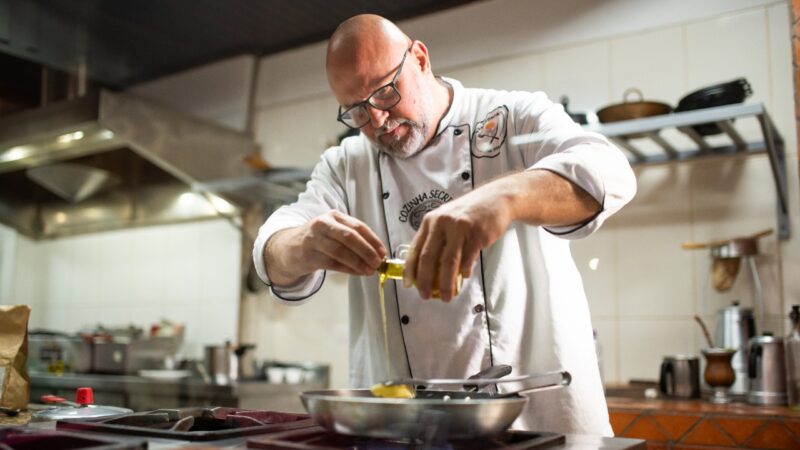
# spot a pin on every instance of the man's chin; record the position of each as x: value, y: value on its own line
x: 401, y: 147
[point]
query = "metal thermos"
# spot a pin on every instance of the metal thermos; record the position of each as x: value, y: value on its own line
x: 228, y: 363
x: 680, y: 376
x: 792, y: 350
x: 735, y: 328
x: 766, y: 371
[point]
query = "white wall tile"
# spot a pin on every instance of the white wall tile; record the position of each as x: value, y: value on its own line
x: 596, y: 258
x: 470, y: 76
x: 644, y: 342
x: 781, y: 104
x: 582, y: 72
x: 304, y: 343
x: 730, y: 198
x: 658, y: 281
x: 729, y: 47
x: 525, y: 72
x: 608, y: 336
x: 139, y: 277
x: 296, y: 134
x: 654, y: 62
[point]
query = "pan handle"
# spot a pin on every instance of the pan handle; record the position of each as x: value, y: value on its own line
x: 555, y: 380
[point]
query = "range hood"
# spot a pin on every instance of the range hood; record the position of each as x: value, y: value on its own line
x: 113, y: 160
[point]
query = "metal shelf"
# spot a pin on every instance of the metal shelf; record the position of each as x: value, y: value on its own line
x: 627, y: 134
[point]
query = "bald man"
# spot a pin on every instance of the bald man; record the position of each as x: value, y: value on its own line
x: 434, y: 166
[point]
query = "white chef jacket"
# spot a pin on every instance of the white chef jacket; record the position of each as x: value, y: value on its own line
x: 524, y: 304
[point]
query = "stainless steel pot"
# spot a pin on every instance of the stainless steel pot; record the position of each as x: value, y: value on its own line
x: 443, y: 414
x: 227, y: 363
x: 735, y: 327
x: 767, y: 371
x: 680, y: 376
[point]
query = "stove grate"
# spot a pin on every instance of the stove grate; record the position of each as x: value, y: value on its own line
x: 318, y: 438
x: 19, y: 438
x: 193, y: 424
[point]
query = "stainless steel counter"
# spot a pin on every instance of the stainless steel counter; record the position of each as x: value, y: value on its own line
x: 142, y: 394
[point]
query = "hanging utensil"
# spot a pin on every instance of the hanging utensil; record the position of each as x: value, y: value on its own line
x: 726, y: 257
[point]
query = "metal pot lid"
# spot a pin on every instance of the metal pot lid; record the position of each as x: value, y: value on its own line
x: 87, y: 412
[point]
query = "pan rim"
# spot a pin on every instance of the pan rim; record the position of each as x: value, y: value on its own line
x: 328, y: 395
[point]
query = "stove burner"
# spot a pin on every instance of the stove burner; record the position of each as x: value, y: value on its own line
x: 318, y: 438
x: 18, y: 438
x: 194, y: 424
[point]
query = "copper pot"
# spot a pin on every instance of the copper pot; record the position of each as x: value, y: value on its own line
x: 628, y: 109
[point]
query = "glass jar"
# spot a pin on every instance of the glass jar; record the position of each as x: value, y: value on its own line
x: 392, y: 268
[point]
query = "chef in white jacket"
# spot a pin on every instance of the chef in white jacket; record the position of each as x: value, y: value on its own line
x: 434, y: 165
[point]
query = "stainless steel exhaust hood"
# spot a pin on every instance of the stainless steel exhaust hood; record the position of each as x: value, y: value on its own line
x: 112, y: 160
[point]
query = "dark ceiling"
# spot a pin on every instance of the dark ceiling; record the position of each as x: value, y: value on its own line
x: 123, y: 42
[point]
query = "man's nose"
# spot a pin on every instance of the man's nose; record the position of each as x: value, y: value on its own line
x: 377, y: 117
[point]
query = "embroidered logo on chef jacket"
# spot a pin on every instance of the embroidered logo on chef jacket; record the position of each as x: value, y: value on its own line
x: 490, y: 133
x: 415, y: 209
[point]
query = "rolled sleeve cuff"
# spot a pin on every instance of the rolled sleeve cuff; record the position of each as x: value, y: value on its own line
x: 572, y: 168
x: 302, y: 291
x: 296, y: 294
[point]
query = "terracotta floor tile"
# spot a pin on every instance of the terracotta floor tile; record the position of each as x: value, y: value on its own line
x: 701, y: 447
x: 675, y: 425
x: 656, y: 446
x: 707, y: 433
x: 793, y: 426
x: 739, y: 429
x: 645, y: 428
x: 621, y: 420
x: 774, y: 436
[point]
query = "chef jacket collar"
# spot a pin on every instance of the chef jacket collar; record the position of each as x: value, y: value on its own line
x: 456, y: 88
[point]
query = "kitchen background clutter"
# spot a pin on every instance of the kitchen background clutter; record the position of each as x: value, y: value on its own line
x: 644, y: 290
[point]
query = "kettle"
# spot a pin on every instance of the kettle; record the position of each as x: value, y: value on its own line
x: 680, y: 376
x: 735, y: 328
x: 766, y: 371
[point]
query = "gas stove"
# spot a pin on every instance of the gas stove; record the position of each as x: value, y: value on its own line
x: 232, y: 428
x: 21, y: 438
x: 318, y: 438
x: 193, y: 424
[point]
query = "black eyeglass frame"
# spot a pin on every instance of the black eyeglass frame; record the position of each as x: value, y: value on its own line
x: 367, y: 103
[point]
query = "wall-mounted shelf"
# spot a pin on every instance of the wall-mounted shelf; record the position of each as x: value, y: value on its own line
x: 630, y: 135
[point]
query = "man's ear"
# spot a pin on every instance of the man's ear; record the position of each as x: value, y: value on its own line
x: 420, y: 54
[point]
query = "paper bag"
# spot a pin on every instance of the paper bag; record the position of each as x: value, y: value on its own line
x: 15, y: 387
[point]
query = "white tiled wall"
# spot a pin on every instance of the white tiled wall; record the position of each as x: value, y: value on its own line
x: 187, y: 273
x: 644, y: 290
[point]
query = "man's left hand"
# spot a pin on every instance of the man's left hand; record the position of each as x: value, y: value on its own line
x: 451, y: 237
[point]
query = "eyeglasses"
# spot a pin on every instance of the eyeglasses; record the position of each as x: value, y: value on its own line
x: 383, y: 98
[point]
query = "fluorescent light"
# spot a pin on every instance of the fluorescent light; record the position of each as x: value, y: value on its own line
x: 69, y: 137
x: 594, y: 263
x: 15, y: 153
x: 106, y: 134
x: 221, y: 205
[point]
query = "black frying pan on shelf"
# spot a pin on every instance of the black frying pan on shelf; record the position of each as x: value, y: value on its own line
x: 729, y: 93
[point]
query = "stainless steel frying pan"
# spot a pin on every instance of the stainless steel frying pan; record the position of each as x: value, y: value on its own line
x: 433, y: 414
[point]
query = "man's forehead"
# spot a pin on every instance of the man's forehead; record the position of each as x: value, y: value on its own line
x: 355, y: 82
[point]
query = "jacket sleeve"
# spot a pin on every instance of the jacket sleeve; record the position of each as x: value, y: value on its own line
x: 549, y: 139
x: 324, y: 192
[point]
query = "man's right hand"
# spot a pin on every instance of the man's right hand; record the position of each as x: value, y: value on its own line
x: 331, y: 241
